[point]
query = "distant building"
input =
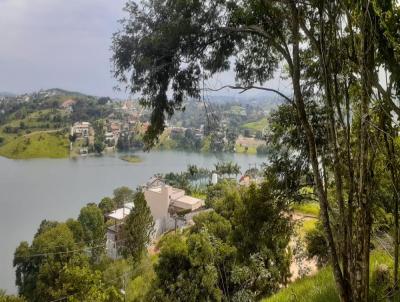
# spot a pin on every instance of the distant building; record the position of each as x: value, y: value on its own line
x: 81, y: 129
x: 68, y: 104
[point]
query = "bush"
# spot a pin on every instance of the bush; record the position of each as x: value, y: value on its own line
x: 380, y: 286
x: 316, y: 245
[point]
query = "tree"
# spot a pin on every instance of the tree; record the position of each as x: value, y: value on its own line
x: 38, y: 266
x: 81, y: 284
x: 327, y: 46
x: 138, y: 228
x: 99, y: 136
x: 185, y: 271
x: 122, y: 196
x: 76, y: 229
x: 92, y: 221
x: 107, y: 205
x: 10, y: 298
x: 214, y: 223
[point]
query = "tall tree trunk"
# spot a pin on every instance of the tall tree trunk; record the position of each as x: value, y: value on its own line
x: 364, y: 217
x: 326, y: 55
x: 295, y: 74
x: 388, y: 135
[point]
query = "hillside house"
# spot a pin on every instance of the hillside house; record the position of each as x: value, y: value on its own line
x: 114, y: 232
x: 170, y: 207
x: 167, y: 203
x: 68, y: 105
x: 81, y: 129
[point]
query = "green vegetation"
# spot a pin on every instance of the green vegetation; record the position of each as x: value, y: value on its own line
x: 306, y: 225
x: 211, y: 261
x: 68, y: 259
x: 259, y: 125
x: 308, y: 208
x: 246, y: 149
x: 317, y: 288
x: 36, y: 145
x: 321, y: 286
x: 41, y: 117
x: 138, y: 229
x: 133, y: 159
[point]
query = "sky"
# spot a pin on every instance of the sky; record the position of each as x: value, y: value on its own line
x: 58, y: 43
x: 65, y: 44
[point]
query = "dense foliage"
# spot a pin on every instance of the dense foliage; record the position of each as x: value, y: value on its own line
x: 237, y: 251
x: 340, y: 122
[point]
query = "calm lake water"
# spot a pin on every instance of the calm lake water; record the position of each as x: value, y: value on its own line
x: 33, y: 190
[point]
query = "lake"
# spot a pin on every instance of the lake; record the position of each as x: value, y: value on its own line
x: 56, y: 189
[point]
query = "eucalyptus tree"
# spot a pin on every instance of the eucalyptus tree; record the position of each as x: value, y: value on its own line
x: 329, y: 49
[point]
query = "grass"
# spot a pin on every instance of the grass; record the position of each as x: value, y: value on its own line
x: 259, y: 125
x: 242, y: 149
x: 36, y: 145
x: 321, y: 286
x: 133, y: 159
x: 309, y: 208
x: 199, y: 195
x: 305, y: 226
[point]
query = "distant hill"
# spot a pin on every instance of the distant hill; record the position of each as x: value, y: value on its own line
x: 7, y: 94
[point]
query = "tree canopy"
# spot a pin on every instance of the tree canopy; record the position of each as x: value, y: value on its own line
x: 341, y: 110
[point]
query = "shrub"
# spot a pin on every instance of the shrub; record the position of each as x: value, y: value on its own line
x: 380, y: 286
x: 316, y: 244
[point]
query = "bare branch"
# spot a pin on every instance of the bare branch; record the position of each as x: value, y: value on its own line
x: 244, y: 89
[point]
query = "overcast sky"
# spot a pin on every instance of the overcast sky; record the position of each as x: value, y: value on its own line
x: 63, y: 44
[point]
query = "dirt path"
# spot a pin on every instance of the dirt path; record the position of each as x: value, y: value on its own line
x: 301, y: 265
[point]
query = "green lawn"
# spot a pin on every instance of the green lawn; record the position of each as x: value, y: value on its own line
x: 321, y: 286
x: 242, y: 149
x: 36, y: 145
x: 257, y: 125
x: 200, y: 195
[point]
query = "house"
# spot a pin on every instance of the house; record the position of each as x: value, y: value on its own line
x: 114, y: 232
x: 170, y: 207
x: 166, y: 203
x: 68, y: 104
x: 115, y: 128
x: 81, y: 129
x: 111, y: 137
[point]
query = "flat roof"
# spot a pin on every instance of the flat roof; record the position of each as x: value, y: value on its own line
x: 119, y: 214
x: 188, y: 200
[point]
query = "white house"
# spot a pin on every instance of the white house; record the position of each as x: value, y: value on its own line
x: 81, y: 129
x: 170, y: 207
x: 114, y: 232
x: 166, y: 202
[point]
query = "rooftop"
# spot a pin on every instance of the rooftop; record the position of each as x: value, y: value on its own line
x: 121, y: 213
x: 188, y: 200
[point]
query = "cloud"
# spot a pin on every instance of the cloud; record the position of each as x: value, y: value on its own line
x: 66, y: 44
x: 57, y: 43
